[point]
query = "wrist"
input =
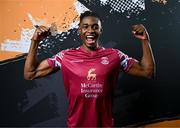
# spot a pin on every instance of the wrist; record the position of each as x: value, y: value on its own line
x: 34, y: 40
x: 145, y: 40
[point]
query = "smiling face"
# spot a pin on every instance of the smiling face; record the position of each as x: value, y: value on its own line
x: 90, y: 31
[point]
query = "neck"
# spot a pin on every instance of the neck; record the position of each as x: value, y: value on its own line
x: 93, y: 48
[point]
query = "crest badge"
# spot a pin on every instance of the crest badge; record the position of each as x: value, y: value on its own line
x: 104, y: 60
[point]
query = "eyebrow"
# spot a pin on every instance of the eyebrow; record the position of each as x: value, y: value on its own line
x: 88, y: 24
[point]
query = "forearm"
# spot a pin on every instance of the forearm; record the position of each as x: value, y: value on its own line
x: 146, y: 67
x: 147, y: 62
x: 32, y: 68
x: 31, y: 60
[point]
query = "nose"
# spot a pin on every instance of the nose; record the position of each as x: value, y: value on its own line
x: 90, y: 29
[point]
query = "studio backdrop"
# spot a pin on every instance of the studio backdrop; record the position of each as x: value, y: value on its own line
x: 43, y: 101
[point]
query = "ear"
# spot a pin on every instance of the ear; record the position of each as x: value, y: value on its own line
x: 79, y: 31
x: 101, y: 30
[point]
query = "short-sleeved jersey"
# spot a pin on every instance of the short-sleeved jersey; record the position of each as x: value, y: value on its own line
x: 89, y: 79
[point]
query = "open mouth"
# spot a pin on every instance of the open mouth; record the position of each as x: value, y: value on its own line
x: 90, y: 39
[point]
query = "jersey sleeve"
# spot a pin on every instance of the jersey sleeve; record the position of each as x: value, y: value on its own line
x: 56, y: 60
x: 126, y: 62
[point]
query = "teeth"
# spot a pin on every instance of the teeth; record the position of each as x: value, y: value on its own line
x: 90, y: 36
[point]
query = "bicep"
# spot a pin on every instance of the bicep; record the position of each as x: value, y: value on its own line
x: 136, y: 69
x: 43, y: 69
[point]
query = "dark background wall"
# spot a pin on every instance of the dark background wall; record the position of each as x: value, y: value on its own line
x: 42, y: 102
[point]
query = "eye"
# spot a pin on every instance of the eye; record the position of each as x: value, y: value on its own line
x: 85, y: 26
x: 95, y: 27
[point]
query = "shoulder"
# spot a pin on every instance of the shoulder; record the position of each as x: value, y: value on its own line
x: 68, y: 51
x: 112, y: 50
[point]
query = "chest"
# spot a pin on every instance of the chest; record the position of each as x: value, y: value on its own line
x: 90, y: 67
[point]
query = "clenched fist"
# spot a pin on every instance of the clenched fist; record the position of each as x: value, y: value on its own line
x: 40, y: 33
x: 140, y: 32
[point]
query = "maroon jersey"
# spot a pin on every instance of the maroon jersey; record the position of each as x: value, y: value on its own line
x: 89, y: 79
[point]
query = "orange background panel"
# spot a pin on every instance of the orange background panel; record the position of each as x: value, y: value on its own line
x: 14, y: 17
x: 164, y: 124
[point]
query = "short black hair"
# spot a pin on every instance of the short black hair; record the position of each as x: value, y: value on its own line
x: 89, y: 13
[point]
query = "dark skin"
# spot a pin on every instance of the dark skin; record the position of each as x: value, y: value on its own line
x: 90, y: 26
x: 90, y: 30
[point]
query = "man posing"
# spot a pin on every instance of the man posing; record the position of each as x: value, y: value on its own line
x: 90, y: 71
